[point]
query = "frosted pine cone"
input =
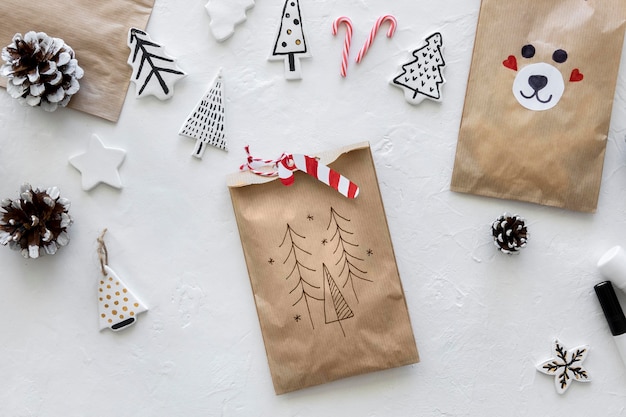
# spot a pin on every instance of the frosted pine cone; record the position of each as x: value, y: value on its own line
x: 41, y: 70
x: 509, y: 233
x: 35, y: 223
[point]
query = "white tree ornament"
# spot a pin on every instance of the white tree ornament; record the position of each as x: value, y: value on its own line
x: 422, y: 77
x: 206, y: 123
x: 290, y: 41
x: 225, y: 15
x: 154, y: 72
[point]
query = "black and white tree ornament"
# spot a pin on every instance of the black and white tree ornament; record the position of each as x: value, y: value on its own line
x: 36, y: 223
x: 290, y: 44
x: 206, y: 123
x: 422, y: 77
x: 154, y: 72
x: 509, y: 233
x: 41, y: 70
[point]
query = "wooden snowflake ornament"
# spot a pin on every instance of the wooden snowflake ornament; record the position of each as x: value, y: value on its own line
x: 154, y: 72
x: 566, y: 366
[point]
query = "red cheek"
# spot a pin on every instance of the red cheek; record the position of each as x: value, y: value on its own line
x: 576, y: 76
x: 510, y: 63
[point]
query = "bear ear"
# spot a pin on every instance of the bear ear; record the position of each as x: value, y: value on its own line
x: 510, y: 63
x: 576, y: 75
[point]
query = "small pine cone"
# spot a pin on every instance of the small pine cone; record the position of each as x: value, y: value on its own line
x: 41, y: 70
x: 35, y: 223
x: 509, y: 233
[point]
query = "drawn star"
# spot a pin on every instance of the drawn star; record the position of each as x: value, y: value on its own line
x: 271, y: 261
x: 99, y: 164
x: 370, y: 252
x: 297, y: 317
x: 566, y: 366
x: 324, y: 242
x: 309, y: 217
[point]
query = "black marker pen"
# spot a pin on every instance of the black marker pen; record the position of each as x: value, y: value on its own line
x: 614, y: 315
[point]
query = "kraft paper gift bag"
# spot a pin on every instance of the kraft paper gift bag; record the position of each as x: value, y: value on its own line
x: 539, y: 99
x: 97, y: 31
x: 324, y: 277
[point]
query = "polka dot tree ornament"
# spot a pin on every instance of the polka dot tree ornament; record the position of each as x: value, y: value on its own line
x: 118, y: 307
x: 509, y: 233
x: 290, y: 41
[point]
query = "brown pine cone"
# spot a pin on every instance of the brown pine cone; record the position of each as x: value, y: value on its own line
x: 35, y: 223
x: 509, y: 233
x: 41, y: 70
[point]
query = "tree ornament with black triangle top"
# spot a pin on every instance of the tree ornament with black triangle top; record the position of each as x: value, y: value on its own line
x: 422, y: 77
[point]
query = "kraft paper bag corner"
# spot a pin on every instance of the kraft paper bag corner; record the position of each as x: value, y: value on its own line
x: 97, y: 31
x: 539, y: 98
x: 324, y: 277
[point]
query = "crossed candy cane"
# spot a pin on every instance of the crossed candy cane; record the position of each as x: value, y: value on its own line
x: 287, y: 164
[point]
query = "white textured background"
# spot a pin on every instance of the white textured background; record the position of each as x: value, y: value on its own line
x: 482, y: 320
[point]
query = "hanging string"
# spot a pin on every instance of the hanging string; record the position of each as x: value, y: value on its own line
x: 269, y: 166
x: 103, y: 254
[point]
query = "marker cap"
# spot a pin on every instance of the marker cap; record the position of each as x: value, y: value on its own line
x: 611, y: 307
x: 612, y: 266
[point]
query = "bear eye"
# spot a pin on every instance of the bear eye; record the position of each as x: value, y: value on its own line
x: 528, y: 51
x: 559, y: 56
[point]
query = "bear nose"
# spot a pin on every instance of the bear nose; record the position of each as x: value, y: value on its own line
x: 537, y: 82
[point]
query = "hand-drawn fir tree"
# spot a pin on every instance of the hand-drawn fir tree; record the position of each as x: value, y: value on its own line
x: 336, y: 308
x: 290, y: 40
x: 346, y: 259
x: 422, y: 77
x: 160, y: 66
x: 206, y: 122
x: 304, y: 286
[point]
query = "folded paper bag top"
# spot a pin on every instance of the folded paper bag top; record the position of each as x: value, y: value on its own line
x: 322, y: 269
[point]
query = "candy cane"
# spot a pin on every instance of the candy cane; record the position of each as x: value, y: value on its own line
x: 346, y: 42
x: 318, y: 171
x: 392, y: 29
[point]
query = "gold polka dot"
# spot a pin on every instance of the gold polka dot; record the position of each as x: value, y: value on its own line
x: 125, y: 308
x: 126, y: 299
x: 132, y: 313
x: 116, y: 302
x: 117, y: 293
x: 110, y: 279
x: 108, y: 297
x: 121, y: 316
x: 110, y: 321
x: 101, y: 282
x: 100, y: 298
x: 106, y: 306
x: 103, y: 315
x: 298, y: 42
x: 108, y: 286
x: 136, y: 304
x: 100, y: 290
x: 124, y: 290
x: 288, y: 31
x: 114, y: 312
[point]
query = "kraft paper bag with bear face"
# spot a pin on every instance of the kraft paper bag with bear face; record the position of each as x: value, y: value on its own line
x: 97, y: 30
x: 539, y: 99
x: 324, y: 277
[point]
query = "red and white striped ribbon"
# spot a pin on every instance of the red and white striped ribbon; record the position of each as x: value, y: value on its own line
x: 393, y: 23
x: 345, y: 54
x: 285, y: 166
